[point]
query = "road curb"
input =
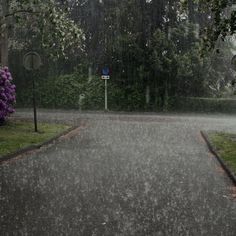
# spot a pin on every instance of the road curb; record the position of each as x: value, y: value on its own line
x: 228, y: 171
x: 35, y: 147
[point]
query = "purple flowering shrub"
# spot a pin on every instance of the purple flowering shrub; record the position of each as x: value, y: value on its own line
x: 7, y: 94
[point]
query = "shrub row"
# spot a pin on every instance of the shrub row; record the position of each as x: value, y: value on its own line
x: 192, y: 104
x: 65, y: 92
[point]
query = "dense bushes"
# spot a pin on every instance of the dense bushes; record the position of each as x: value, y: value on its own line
x: 188, y: 104
x: 7, y: 94
x: 65, y: 92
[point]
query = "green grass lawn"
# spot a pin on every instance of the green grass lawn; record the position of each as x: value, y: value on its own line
x: 225, y: 145
x: 16, y: 135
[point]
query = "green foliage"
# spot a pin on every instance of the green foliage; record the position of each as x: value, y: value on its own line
x: 222, y: 20
x: 151, y: 47
x: 191, y: 73
x: 162, y: 53
x: 42, y: 25
x: 188, y: 104
x: 65, y: 92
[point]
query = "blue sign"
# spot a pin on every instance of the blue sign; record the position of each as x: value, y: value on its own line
x: 106, y: 71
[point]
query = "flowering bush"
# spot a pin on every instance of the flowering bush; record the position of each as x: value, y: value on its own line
x: 7, y: 94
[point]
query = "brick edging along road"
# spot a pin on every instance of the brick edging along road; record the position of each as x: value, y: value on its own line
x: 227, y: 169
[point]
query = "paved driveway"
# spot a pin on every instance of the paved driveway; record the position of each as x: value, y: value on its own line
x: 122, y: 175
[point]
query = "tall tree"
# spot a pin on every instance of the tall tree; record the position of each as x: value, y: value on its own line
x: 221, y: 20
x: 48, y: 20
x: 4, y: 32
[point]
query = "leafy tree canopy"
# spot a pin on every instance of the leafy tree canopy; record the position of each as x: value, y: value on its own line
x: 46, y: 22
x: 221, y: 15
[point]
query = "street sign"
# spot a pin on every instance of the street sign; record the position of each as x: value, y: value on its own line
x: 106, y: 71
x: 105, y: 77
x: 32, y: 61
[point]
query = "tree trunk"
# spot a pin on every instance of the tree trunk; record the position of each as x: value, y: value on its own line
x: 191, y: 11
x: 4, y: 34
x: 147, y: 95
x: 4, y: 49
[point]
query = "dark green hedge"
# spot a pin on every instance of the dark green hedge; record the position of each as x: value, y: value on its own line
x: 188, y: 104
x: 64, y: 92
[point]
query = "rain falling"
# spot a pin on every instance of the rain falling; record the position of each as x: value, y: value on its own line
x: 117, y: 117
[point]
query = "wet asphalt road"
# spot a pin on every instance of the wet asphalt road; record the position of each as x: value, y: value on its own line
x: 121, y: 175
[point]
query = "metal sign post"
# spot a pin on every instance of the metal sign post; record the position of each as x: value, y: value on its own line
x: 34, y: 105
x: 106, y: 77
x: 106, y: 108
x: 32, y: 61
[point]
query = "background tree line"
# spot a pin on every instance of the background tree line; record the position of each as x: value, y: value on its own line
x: 152, y: 47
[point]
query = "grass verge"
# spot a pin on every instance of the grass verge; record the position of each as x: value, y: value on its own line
x: 225, y: 145
x: 17, y: 135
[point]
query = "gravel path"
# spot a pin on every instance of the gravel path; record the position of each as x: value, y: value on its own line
x: 141, y: 174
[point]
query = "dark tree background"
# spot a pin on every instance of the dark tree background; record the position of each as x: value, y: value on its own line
x: 154, y: 50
